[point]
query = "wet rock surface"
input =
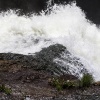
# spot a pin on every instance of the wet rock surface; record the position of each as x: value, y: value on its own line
x: 28, y: 76
x: 46, y: 60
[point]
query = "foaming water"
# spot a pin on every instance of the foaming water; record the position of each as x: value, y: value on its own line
x: 64, y: 24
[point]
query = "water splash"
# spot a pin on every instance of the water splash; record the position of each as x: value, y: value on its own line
x: 65, y: 24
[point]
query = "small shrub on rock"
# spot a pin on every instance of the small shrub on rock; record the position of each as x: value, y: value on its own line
x: 56, y: 83
x: 68, y: 84
x: 5, y: 89
x: 86, y: 80
x: 62, y: 84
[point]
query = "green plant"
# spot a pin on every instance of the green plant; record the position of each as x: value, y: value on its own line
x: 70, y: 84
x: 86, y: 80
x: 5, y: 89
x: 60, y: 84
x: 59, y: 87
x: 56, y: 83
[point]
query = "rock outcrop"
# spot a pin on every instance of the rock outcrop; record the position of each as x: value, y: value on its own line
x: 55, y: 59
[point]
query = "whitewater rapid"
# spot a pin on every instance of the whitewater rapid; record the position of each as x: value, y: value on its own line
x: 64, y: 24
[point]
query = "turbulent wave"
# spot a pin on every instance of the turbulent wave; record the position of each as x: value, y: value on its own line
x: 64, y: 24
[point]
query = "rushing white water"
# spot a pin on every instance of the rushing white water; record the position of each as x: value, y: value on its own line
x: 66, y: 25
